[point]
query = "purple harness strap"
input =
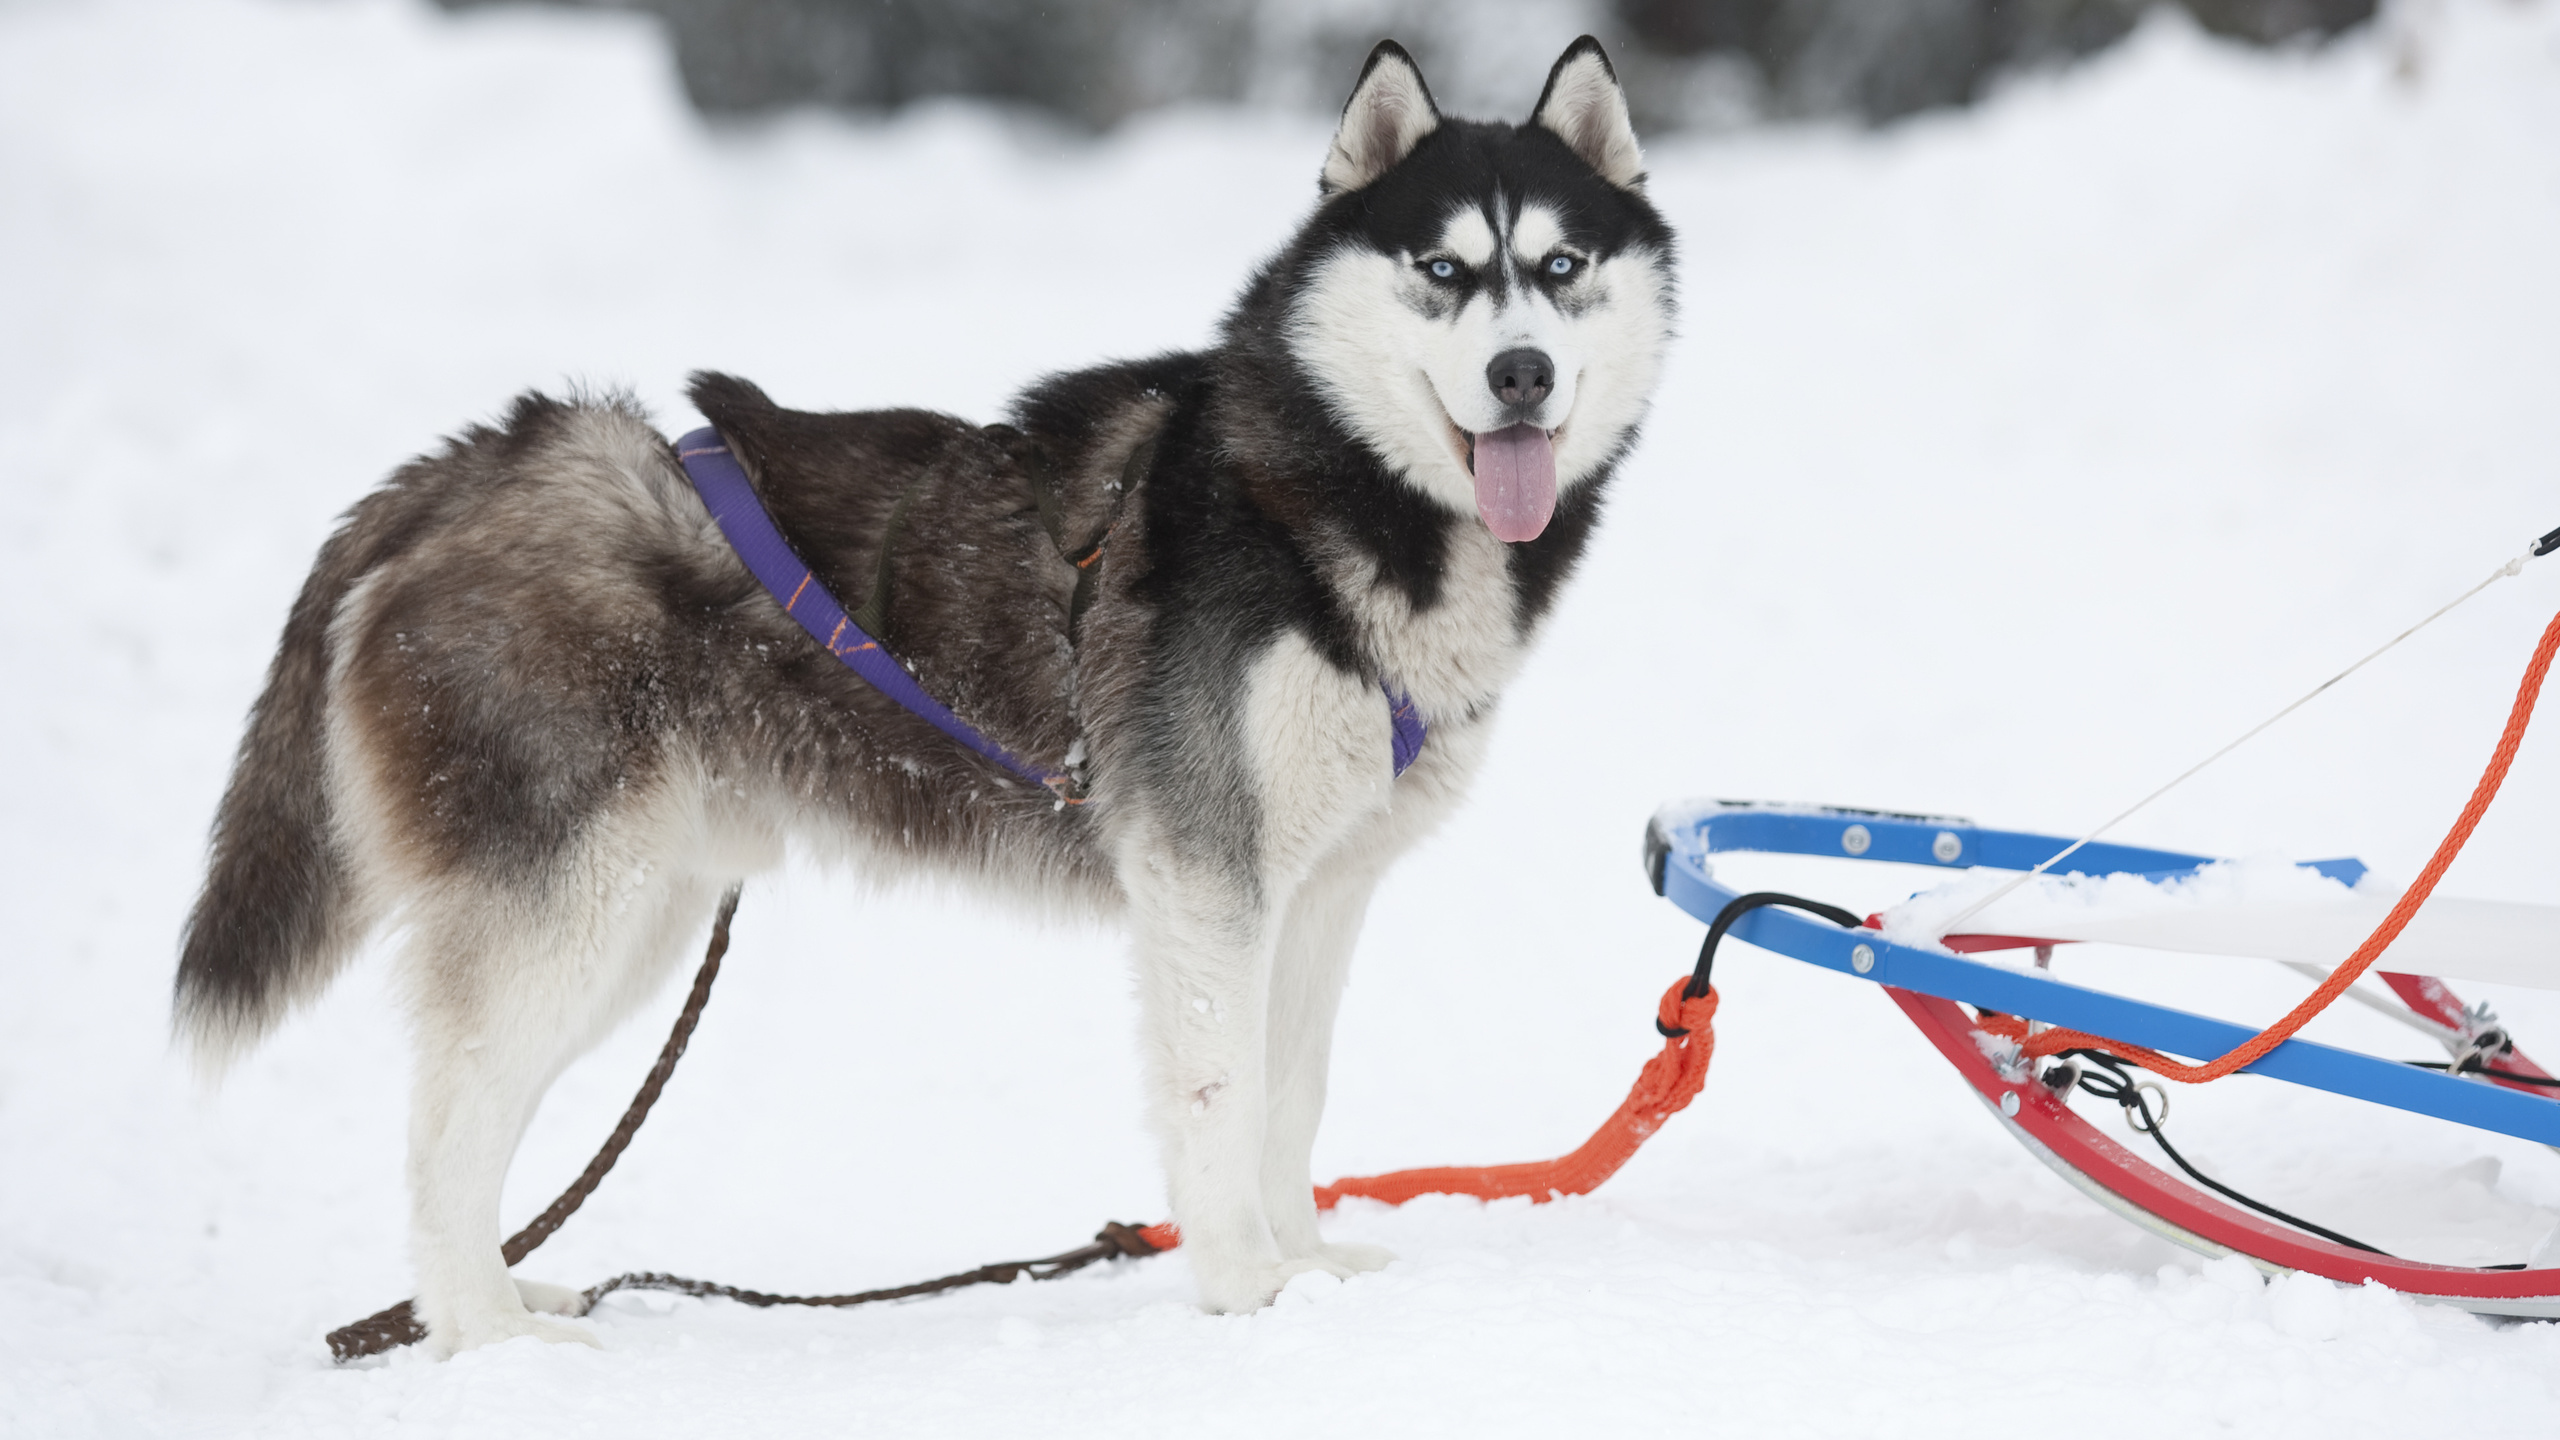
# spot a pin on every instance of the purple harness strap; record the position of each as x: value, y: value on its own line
x: 1411, y: 730
x: 732, y: 501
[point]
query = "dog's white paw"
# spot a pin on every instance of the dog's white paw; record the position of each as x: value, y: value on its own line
x: 1347, y: 1259
x: 551, y: 1299
x: 490, y: 1329
x: 1228, y: 1289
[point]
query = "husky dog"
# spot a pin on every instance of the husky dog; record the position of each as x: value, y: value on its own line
x: 531, y: 706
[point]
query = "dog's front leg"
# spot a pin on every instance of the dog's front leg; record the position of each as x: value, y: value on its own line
x: 1214, y: 878
x: 1313, y: 961
x: 1204, y: 947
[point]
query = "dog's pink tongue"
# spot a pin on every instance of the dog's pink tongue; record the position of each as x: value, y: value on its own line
x: 1515, y: 482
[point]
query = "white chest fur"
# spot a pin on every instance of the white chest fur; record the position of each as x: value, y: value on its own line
x: 1455, y: 655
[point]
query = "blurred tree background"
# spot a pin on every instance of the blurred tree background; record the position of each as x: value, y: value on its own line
x: 1689, y: 62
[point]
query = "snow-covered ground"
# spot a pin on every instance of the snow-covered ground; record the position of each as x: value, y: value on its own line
x: 2011, y: 460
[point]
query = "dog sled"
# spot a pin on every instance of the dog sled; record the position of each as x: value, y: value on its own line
x: 2163, y: 900
x: 2031, y: 1039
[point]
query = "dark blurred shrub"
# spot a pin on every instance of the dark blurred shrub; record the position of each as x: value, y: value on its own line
x: 1882, y: 59
x: 1092, y: 63
x: 1686, y: 61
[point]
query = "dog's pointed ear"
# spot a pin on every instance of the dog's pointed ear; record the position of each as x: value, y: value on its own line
x: 1389, y: 112
x: 1585, y: 106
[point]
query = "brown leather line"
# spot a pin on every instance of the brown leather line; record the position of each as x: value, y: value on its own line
x: 529, y: 1239
x: 1116, y: 1241
x: 399, y: 1325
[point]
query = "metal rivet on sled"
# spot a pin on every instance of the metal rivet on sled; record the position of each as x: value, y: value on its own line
x: 1855, y: 839
x: 1862, y: 958
x: 2009, y: 1103
x: 1946, y: 847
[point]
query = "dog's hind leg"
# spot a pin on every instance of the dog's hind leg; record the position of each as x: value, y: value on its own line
x: 504, y: 995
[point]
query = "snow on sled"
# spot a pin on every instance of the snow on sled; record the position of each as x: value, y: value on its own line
x: 2165, y: 900
x: 2300, y: 914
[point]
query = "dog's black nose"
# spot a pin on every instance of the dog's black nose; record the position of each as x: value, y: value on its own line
x: 1521, y: 378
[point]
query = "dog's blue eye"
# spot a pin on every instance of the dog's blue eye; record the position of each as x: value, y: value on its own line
x: 1442, y: 269
x: 1561, y: 265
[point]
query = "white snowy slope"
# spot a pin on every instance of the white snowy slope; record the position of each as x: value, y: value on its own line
x: 2010, y: 460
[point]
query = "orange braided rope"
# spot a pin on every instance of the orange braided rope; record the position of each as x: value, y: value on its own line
x: 2057, y: 1040
x: 1666, y: 1085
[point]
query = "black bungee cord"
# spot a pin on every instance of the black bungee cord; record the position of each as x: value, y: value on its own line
x: 2114, y: 1084
x: 1734, y: 910
x: 2120, y: 1087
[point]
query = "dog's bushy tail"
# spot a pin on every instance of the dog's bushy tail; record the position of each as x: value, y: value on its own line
x: 275, y: 923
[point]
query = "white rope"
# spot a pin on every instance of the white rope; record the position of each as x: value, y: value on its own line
x: 2512, y: 567
x: 2445, y: 1035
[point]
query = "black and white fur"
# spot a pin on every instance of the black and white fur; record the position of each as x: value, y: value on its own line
x: 532, y: 710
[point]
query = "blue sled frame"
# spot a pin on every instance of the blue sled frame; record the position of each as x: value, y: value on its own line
x: 1679, y: 840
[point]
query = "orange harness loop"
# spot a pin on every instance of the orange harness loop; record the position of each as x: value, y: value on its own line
x: 1666, y: 1085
